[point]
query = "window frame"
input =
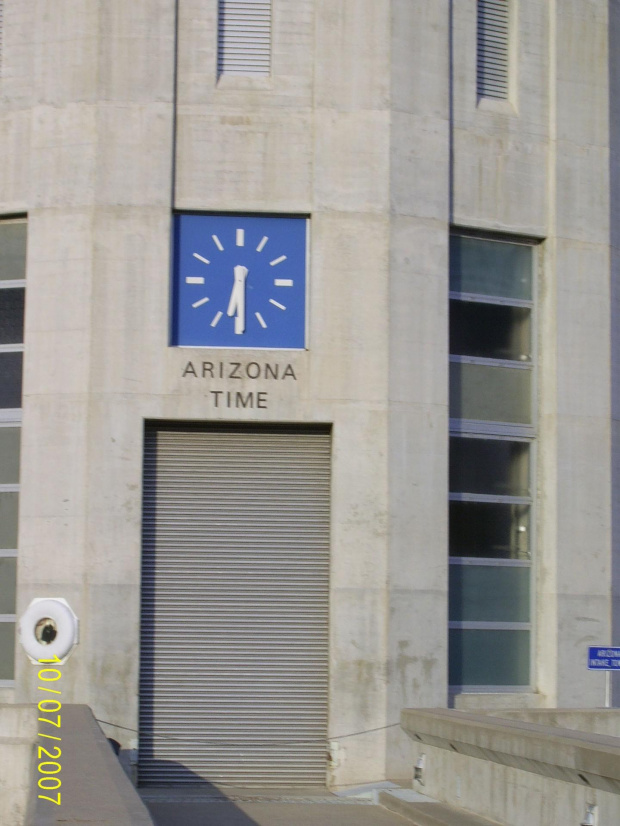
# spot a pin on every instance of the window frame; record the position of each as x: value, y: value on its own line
x: 11, y: 417
x: 488, y: 429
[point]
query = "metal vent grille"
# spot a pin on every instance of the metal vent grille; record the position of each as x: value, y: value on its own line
x: 492, y: 56
x: 235, y: 591
x: 244, y: 37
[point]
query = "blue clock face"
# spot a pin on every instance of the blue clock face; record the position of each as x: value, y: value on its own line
x: 239, y: 281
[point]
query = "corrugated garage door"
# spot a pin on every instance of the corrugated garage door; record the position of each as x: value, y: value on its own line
x: 234, y: 637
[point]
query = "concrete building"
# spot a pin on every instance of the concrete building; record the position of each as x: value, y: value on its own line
x: 235, y: 457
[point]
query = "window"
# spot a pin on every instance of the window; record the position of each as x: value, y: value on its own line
x: 491, y: 462
x: 244, y: 37
x: 492, y: 49
x: 12, y: 294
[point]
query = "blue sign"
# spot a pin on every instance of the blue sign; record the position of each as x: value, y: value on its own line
x: 239, y: 281
x: 603, y: 659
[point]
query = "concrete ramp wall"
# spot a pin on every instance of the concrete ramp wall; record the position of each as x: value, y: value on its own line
x: 94, y: 788
x: 517, y: 772
x: 18, y: 732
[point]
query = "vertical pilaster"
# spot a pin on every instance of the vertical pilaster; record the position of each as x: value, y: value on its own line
x: 350, y: 356
x: 418, y: 361
x: 99, y: 213
x: 580, y: 560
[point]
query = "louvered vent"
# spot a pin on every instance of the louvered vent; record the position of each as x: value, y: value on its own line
x: 492, y: 65
x: 244, y: 37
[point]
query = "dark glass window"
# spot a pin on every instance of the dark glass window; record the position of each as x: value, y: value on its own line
x: 12, y: 300
x: 490, y: 394
x: 490, y: 330
x: 7, y: 650
x: 8, y: 580
x: 491, y: 530
x: 10, y: 380
x: 9, y: 456
x: 491, y: 487
x: 489, y: 593
x: 489, y: 658
x: 494, y: 268
x: 12, y: 316
x: 8, y: 519
x: 12, y: 251
x: 490, y: 466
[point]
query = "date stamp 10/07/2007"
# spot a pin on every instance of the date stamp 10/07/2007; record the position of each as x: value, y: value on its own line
x: 48, y: 753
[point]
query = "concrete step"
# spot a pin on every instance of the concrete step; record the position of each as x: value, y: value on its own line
x: 425, y: 811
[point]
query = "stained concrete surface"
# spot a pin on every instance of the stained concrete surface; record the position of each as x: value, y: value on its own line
x: 256, y: 808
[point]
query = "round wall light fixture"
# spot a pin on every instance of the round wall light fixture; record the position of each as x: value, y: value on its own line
x: 48, y: 628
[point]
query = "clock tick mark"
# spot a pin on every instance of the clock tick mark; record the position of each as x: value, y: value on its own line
x: 216, y: 319
x: 278, y: 260
x: 263, y: 241
x: 261, y: 320
x: 277, y: 304
x: 200, y: 303
x: 200, y: 258
x: 240, y: 237
x: 283, y: 282
x: 218, y: 243
x: 194, y: 279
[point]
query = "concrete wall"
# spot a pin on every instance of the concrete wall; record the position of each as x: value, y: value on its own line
x: 529, y: 769
x: 510, y: 796
x: 594, y: 721
x: 95, y: 789
x: 96, y: 323
x: 360, y: 127
x: 105, y: 133
x: 575, y: 552
x: 18, y: 732
x: 614, y: 217
x: 537, y: 165
x: 418, y: 362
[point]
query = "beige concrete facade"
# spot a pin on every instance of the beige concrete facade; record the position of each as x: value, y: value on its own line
x: 112, y: 116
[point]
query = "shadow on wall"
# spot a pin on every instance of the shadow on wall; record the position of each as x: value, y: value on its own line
x: 191, y: 800
x: 96, y: 789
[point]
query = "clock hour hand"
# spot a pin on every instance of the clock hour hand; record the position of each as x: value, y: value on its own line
x: 232, y: 304
x: 236, y: 305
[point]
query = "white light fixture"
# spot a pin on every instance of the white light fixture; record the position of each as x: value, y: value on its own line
x: 591, y: 816
x: 48, y: 629
x: 418, y: 769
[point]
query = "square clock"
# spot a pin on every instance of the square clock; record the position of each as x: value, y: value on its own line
x: 239, y: 281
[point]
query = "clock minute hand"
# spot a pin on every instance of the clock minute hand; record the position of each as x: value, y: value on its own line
x: 237, y: 299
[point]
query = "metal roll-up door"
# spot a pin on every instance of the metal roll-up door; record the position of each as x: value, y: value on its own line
x: 234, y: 631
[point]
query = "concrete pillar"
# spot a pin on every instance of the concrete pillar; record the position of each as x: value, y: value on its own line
x: 418, y: 363
x: 98, y: 258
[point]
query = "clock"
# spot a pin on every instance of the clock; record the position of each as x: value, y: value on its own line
x: 239, y: 281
